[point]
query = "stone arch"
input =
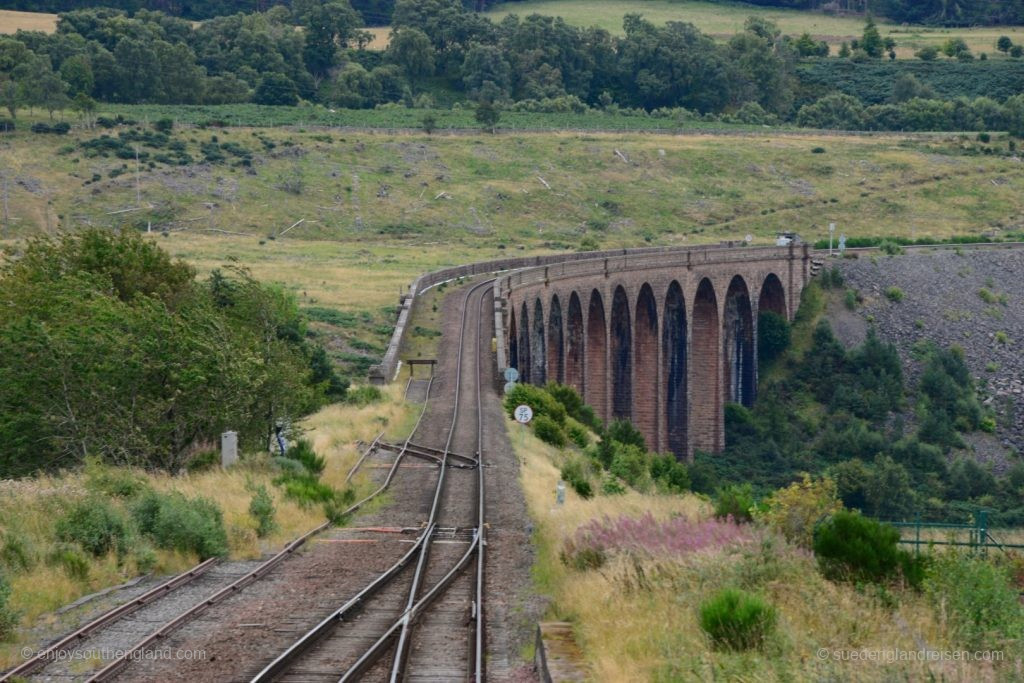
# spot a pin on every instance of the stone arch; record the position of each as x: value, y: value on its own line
x: 622, y: 356
x: 705, y: 376
x: 674, y: 355
x: 513, y: 341
x: 773, y: 296
x: 595, y: 381
x: 524, y: 344
x: 574, y: 344
x: 738, y: 344
x: 645, y: 367
x: 556, y: 347
x: 538, y: 357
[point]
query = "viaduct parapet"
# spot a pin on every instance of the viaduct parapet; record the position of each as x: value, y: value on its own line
x: 663, y: 337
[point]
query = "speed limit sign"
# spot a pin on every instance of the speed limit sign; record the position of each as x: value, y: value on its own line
x: 523, y: 414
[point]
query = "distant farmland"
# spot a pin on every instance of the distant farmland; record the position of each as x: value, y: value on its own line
x: 12, y: 22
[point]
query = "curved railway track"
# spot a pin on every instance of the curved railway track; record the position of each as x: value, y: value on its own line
x: 411, y: 610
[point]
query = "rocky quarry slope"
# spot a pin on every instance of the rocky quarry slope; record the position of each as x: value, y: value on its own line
x: 970, y: 298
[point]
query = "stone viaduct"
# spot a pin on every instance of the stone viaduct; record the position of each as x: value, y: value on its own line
x: 663, y: 337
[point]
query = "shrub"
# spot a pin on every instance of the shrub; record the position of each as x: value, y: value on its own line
x: 289, y: 467
x: 977, y: 597
x: 97, y: 526
x: 305, y: 489
x: 8, y: 615
x: 736, y: 620
x: 795, y: 510
x: 573, y: 473
x: 630, y: 464
x: 120, y: 482
x: 203, y: 461
x: 736, y: 501
x: 894, y: 294
x: 669, y: 474
x: 17, y: 554
x: 624, y: 432
x: 850, y: 299
x: 773, y: 335
x: 71, y: 559
x: 261, y: 508
x: 576, y: 432
x: 548, y: 431
x: 363, y: 395
x: 175, y: 522
x: 890, y: 247
x: 539, y: 400
x: 851, y: 547
x: 611, y: 486
x: 574, y: 405
x: 302, y: 451
x: 164, y: 125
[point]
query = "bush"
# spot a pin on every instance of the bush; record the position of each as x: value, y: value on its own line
x: 539, y: 400
x: 977, y: 597
x: 773, y: 335
x: 203, y: 461
x: 574, y: 474
x: 119, y: 482
x: 574, y: 405
x: 854, y: 548
x: 164, y: 125
x: 97, y: 526
x: 8, y: 615
x: 17, y: 554
x: 577, y: 433
x: 894, y: 294
x: 630, y: 464
x: 71, y: 559
x: 736, y: 620
x: 795, y: 510
x: 736, y: 501
x: 261, y: 508
x: 302, y: 451
x: 336, y: 509
x: 363, y: 395
x: 175, y: 522
x: 890, y: 247
x: 624, y: 432
x: 611, y: 486
x: 305, y: 489
x: 669, y: 474
x: 548, y: 431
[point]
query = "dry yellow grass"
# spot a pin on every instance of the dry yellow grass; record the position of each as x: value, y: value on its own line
x: 636, y: 619
x: 381, y: 38
x: 12, y: 22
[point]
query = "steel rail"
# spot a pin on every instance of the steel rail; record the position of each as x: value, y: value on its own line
x: 107, y: 618
x: 405, y: 636
x: 124, y: 656
x: 369, y: 449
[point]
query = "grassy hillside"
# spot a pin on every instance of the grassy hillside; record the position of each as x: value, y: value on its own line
x: 723, y: 21
x: 12, y: 21
x: 345, y: 220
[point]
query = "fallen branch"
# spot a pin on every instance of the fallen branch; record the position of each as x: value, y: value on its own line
x: 544, y: 182
x: 621, y: 156
x: 295, y: 224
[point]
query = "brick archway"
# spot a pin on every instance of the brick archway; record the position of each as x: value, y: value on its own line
x: 622, y: 356
x: 556, y: 347
x: 538, y: 357
x: 738, y: 372
x: 773, y: 296
x: 524, y: 344
x: 674, y: 355
x: 595, y: 381
x: 706, y: 414
x: 645, y: 367
x: 574, y: 344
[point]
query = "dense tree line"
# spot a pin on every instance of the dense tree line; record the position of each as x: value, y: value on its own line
x: 110, y: 348
x: 315, y: 51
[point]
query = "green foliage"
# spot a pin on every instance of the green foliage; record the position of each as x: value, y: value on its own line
x: 611, y: 486
x: 261, y: 509
x: 71, y: 558
x: 17, y: 552
x: 574, y: 473
x: 630, y: 465
x: 977, y: 597
x: 736, y: 620
x: 364, y: 395
x: 574, y: 405
x: 189, y: 525
x: 549, y: 431
x: 670, y: 475
x: 624, y: 432
x: 850, y: 547
x: 773, y: 335
x: 117, y: 482
x: 948, y: 402
x: 736, y: 501
x: 894, y: 294
x: 302, y: 451
x: 577, y: 433
x: 95, y: 525
x: 8, y: 615
x: 538, y: 399
x: 172, y: 361
x: 306, y: 489
x: 336, y: 509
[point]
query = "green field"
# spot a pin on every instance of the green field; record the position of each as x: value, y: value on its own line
x: 723, y: 20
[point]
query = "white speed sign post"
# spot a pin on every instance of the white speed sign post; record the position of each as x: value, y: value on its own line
x: 523, y: 414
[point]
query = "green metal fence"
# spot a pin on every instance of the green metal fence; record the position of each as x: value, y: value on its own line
x: 974, y: 534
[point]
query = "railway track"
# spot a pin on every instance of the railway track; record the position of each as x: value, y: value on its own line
x: 426, y: 610
x: 186, y: 595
